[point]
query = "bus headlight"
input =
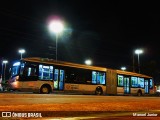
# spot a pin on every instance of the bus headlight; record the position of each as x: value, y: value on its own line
x: 15, y: 84
x: 16, y: 79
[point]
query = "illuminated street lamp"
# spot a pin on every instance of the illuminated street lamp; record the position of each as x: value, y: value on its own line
x: 21, y: 51
x: 88, y: 62
x: 138, y: 52
x: 56, y: 26
x: 123, y: 68
x: 4, y: 62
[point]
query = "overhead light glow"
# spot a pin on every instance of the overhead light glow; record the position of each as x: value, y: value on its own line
x: 56, y: 26
x: 4, y: 61
x: 138, y: 51
x: 123, y: 68
x: 88, y: 62
x: 21, y: 51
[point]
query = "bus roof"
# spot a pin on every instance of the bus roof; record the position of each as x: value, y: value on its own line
x: 132, y: 73
x: 69, y: 64
x: 63, y: 63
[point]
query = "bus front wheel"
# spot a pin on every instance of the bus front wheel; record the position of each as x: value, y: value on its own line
x: 99, y: 91
x: 45, y: 89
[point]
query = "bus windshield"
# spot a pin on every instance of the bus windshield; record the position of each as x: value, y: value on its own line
x: 15, y: 69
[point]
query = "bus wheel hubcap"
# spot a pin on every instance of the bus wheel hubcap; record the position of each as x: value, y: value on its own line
x: 45, y: 90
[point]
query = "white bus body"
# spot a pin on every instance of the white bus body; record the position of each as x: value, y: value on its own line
x: 47, y: 75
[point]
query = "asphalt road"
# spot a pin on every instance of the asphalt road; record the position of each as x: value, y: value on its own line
x: 62, y: 106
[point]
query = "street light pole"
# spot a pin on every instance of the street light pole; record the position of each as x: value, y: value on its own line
x: 4, y: 62
x: 138, y: 51
x: 21, y: 51
x: 138, y: 64
x: 133, y: 62
x: 57, y: 27
x: 2, y: 70
x: 56, y: 45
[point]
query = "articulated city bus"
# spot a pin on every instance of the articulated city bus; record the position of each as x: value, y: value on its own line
x: 44, y: 75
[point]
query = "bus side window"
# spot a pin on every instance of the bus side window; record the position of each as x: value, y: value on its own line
x: 33, y: 72
x: 29, y: 71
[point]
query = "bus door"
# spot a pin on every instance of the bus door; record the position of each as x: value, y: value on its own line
x: 58, y: 79
x: 146, y: 86
x: 126, y: 85
x: 29, y: 77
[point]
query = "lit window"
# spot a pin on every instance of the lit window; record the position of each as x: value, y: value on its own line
x: 141, y: 82
x: 98, y: 77
x: 45, y: 72
x: 134, y: 81
x: 151, y: 83
x: 120, y: 80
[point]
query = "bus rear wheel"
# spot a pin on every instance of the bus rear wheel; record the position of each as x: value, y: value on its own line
x: 99, y: 91
x: 44, y: 90
x: 139, y: 93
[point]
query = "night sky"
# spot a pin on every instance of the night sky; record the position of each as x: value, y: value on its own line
x: 107, y: 32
